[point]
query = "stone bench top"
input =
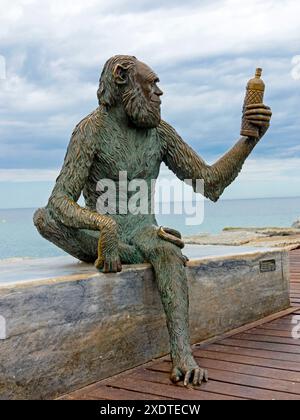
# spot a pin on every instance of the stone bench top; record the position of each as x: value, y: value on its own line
x: 22, y: 270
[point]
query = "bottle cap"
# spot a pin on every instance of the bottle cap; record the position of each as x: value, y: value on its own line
x: 258, y: 72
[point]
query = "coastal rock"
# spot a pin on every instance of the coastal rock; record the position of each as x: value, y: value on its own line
x: 262, y: 237
x: 223, y: 238
x: 296, y: 224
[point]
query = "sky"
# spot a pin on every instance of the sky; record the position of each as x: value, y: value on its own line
x: 52, y: 53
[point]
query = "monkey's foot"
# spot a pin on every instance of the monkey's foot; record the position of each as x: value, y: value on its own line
x: 189, y: 372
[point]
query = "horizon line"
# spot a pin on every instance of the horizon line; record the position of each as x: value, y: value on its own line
x: 161, y: 202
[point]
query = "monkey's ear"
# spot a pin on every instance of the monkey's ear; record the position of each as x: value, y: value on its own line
x: 120, y: 74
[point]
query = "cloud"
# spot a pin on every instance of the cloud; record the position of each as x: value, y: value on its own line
x: 204, y: 52
x: 27, y: 175
x: 155, y: 31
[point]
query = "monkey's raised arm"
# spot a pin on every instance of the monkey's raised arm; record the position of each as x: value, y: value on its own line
x: 72, y: 178
x: 186, y: 164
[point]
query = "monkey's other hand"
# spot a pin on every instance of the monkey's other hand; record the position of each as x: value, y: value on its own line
x: 259, y: 115
x: 171, y: 235
x: 109, y: 264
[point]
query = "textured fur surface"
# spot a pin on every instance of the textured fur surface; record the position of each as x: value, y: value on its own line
x: 106, y: 142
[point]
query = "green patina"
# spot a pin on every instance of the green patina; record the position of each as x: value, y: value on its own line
x: 126, y: 133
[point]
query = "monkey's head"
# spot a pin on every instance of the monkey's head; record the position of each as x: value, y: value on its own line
x: 132, y: 83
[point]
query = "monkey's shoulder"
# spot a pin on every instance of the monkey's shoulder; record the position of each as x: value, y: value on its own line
x: 89, y: 127
x: 166, y: 132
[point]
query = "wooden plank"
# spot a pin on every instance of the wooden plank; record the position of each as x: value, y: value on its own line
x: 249, y: 326
x: 273, y: 327
x: 274, y: 355
x: 286, y: 321
x: 249, y: 360
x: 110, y: 393
x: 267, y: 339
x: 276, y: 333
x: 162, y: 387
x: 232, y: 366
x: 274, y: 347
x: 255, y: 381
x: 218, y: 384
x: 79, y: 396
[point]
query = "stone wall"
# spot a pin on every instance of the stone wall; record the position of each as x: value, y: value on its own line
x: 67, y: 331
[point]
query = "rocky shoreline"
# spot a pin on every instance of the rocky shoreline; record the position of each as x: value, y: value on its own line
x: 261, y: 237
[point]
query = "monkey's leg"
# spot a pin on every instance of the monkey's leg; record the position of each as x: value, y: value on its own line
x: 168, y: 264
x: 80, y: 243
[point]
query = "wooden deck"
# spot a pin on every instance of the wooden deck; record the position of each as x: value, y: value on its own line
x: 258, y: 361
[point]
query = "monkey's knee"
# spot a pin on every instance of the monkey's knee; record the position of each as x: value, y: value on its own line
x: 156, y: 249
x: 40, y: 220
x: 165, y: 253
x: 47, y: 226
x: 73, y: 241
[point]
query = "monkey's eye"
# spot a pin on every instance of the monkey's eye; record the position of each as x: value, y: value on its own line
x: 154, y: 82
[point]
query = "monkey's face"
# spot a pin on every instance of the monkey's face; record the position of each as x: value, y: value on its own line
x: 141, y: 98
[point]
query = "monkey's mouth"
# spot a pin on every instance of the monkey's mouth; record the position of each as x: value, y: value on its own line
x: 156, y: 103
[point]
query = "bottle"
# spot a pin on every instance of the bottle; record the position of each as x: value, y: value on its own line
x: 254, y: 95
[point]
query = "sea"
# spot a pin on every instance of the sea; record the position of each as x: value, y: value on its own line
x: 19, y: 238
